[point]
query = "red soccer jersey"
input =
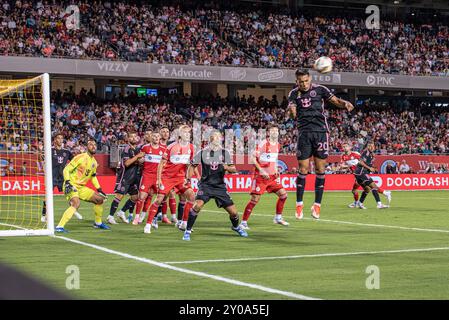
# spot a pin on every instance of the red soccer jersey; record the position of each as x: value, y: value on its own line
x: 267, y: 157
x: 351, y: 159
x: 152, y: 158
x: 178, y: 158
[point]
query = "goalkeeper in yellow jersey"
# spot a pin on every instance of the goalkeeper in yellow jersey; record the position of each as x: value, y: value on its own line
x: 77, y: 174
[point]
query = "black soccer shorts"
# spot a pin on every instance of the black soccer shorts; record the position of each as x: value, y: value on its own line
x: 221, y: 196
x: 363, y: 179
x: 127, y: 187
x: 312, y: 144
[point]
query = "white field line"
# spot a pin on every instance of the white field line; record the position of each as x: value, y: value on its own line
x: 341, y: 254
x: 371, y: 225
x: 12, y: 226
x: 196, y: 273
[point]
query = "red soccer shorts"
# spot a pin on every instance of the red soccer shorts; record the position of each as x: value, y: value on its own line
x: 148, y: 184
x: 173, y: 183
x: 260, y: 185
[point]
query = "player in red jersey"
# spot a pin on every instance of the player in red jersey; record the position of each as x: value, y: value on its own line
x: 266, y: 177
x: 351, y: 159
x: 165, y: 136
x: 174, y: 172
x: 148, y: 187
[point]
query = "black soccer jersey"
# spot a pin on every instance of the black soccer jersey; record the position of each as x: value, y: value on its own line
x: 59, y: 159
x: 310, y: 107
x: 368, y: 158
x: 131, y: 173
x: 212, y: 169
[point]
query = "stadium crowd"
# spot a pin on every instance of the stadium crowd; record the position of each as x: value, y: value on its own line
x: 205, y: 36
x: 409, y: 129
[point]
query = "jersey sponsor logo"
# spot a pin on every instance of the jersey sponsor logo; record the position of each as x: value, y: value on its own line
x: 306, y: 102
x: 180, y: 158
x: 153, y: 158
x: 269, y: 157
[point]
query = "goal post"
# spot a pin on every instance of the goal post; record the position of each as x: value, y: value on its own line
x: 25, y: 157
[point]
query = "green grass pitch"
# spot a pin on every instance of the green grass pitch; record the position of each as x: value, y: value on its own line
x: 326, y: 259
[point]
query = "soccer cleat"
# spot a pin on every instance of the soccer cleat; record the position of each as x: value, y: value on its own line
x: 159, y: 216
x: 244, y: 225
x: 147, y: 228
x: 136, y: 220
x: 142, y: 217
x: 382, y: 206
x: 122, y: 216
x: 166, y: 220
x: 111, y: 220
x: 78, y: 215
x: 61, y: 230
x: 43, y: 219
x: 240, y: 231
x: 316, y: 211
x: 130, y: 217
x: 361, y: 206
x: 388, y: 195
x: 102, y: 226
x: 281, y: 221
x: 352, y: 205
x: 154, y: 223
x: 186, y: 236
x: 299, y: 211
x: 182, y: 226
x: 174, y: 219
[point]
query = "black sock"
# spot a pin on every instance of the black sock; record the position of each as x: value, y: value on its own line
x: 44, y: 209
x: 191, y: 220
x: 131, y: 209
x: 180, y: 209
x: 234, y: 221
x: 159, y: 210
x: 319, y: 187
x: 128, y: 205
x: 114, y: 206
x: 376, y: 195
x: 363, y: 197
x: 300, y: 186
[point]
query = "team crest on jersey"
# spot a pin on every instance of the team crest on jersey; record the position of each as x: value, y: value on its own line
x: 313, y: 93
x: 257, y: 189
x: 214, y: 165
x: 200, y: 192
x: 93, y: 165
x: 142, y: 187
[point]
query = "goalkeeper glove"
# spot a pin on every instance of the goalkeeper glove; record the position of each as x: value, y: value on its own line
x: 68, y: 188
x: 104, y: 195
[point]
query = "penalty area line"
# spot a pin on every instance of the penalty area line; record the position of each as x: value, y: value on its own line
x: 192, y: 272
x: 370, y: 225
x: 341, y: 254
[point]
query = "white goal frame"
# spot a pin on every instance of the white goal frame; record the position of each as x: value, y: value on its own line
x: 49, y: 231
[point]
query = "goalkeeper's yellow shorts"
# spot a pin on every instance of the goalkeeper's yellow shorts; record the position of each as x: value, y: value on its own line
x: 82, y: 192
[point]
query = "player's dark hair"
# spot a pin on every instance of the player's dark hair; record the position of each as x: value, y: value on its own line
x: 58, y: 134
x: 301, y: 72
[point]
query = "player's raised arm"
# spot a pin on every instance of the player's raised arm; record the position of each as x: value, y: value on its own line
x: 130, y: 161
x: 340, y: 103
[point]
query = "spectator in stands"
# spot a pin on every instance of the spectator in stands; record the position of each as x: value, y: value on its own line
x: 404, y: 167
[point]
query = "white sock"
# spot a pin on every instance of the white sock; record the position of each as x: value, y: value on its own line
x: 379, y: 203
x: 300, y: 203
x: 278, y: 216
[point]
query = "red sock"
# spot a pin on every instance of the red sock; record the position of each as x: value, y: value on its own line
x: 187, y: 207
x: 164, y: 207
x: 280, y: 204
x: 153, y: 210
x: 248, y: 210
x: 139, y: 205
x: 356, y: 196
x: 147, y: 204
x: 172, y: 205
x: 380, y: 190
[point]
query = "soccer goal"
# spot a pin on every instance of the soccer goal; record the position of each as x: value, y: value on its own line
x: 25, y: 157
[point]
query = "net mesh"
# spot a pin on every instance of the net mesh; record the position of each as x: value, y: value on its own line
x: 22, y: 185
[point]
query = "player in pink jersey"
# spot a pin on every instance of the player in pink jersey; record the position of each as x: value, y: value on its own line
x: 153, y: 153
x: 174, y: 172
x: 266, y: 177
